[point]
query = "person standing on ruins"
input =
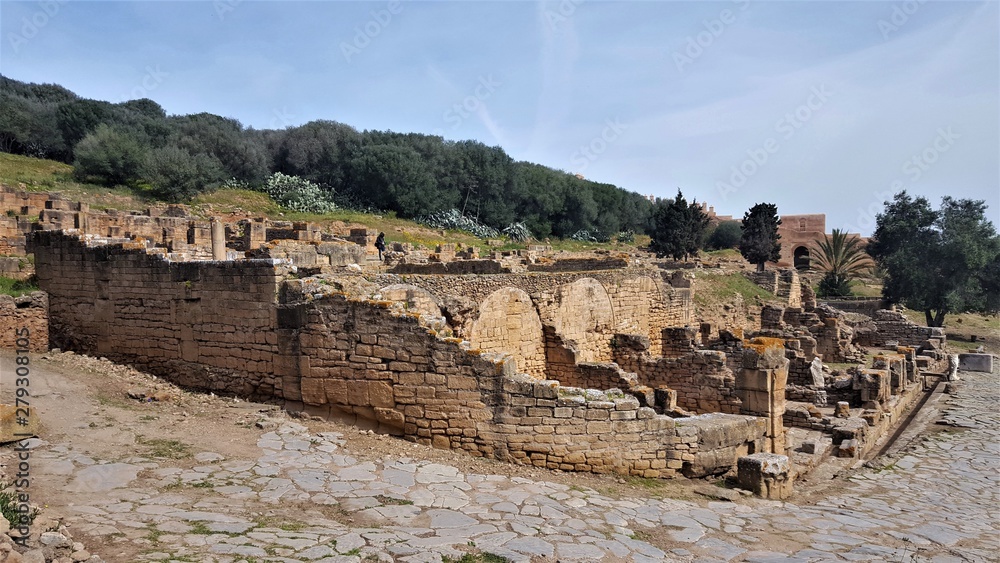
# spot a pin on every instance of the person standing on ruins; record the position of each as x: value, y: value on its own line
x: 380, y: 244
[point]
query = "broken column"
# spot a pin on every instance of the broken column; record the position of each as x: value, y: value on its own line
x: 767, y: 475
x: 760, y: 384
x: 218, y: 240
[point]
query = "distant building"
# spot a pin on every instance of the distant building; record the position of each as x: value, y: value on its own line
x: 799, y: 234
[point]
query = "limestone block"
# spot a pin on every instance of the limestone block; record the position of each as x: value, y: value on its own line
x: 769, y: 476
x: 816, y: 370
x: 843, y: 410
x: 11, y: 430
x: 976, y: 362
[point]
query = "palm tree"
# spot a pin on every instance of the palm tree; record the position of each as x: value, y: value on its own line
x: 843, y: 258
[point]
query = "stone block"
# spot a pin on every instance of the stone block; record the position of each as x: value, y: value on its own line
x: 843, y: 410
x: 767, y: 475
x: 848, y: 448
x: 10, y: 428
x: 976, y: 362
x: 380, y: 394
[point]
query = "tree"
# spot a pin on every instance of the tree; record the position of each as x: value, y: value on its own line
x: 109, y: 156
x: 725, y: 235
x: 759, y: 240
x: 176, y: 175
x: 842, y: 258
x: 938, y: 262
x: 678, y: 228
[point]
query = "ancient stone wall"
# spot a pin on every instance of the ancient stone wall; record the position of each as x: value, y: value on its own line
x: 208, y: 325
x: 236, y: 328
x: 28, y: 312
x: 586, y: 307
x: 701, y: 378
x: 893, y: 327
x: 861, y: 305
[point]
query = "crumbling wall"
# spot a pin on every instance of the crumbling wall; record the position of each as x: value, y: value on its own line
x: 237, y: 328
x: 641, y: 302
x: 508, y: 322
x: 207, y: 325
x: 893, y: 327
x: 702, y: 380
x: 26, y: 313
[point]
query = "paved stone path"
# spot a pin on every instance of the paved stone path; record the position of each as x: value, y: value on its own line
x: 938, y: 503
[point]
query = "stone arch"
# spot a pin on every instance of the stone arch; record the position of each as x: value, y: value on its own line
x: 416, y: 299
x: 584, y: 314
x: 801, y: 258
x: 509, y: 323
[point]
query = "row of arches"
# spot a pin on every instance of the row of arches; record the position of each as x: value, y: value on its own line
x: 584, y: 312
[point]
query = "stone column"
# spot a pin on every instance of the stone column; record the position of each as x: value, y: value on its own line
x: 218, y: 240
x: 760, y: 384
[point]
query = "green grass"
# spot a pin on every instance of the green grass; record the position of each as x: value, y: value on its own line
x: 200, y: 529
x: 390, y: 501
x: 170, y: 449
x: 41, y: 175
x: 713, y: 289
x: 16, y: 288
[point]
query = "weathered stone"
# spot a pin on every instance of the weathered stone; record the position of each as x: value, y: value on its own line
x: 17, y: 423
x: 767, y: 475
x: 976, y: 362
x: 843, y: 410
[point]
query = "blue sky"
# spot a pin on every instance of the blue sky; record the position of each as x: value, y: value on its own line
x: 818, y: 107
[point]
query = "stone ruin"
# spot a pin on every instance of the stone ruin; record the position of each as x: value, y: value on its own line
x: 573, y: 363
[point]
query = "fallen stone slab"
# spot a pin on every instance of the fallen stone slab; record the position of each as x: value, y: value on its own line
x: 718, y: 493
x: 976, y: 362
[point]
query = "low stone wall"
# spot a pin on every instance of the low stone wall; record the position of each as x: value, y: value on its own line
x: 25, y: 316
x: 703, y: 381
x: 893, y: 326
x: 867, y: 306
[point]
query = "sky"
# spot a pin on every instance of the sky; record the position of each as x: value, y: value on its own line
x: 818, y: 107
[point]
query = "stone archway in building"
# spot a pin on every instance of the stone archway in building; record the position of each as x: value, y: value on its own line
x: 584, y: 314
x: 801, y: 258
x: 509, y: 323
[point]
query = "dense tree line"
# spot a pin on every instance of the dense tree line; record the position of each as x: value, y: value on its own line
x: 137, y: 144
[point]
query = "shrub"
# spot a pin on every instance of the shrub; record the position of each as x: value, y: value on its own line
x: 108, y: 156
x: 453, y: 219
x: 299, y: 194
x: 176, y: 175
x: 585, y: 235
x: 626, y: 236
x: 517, y: 232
